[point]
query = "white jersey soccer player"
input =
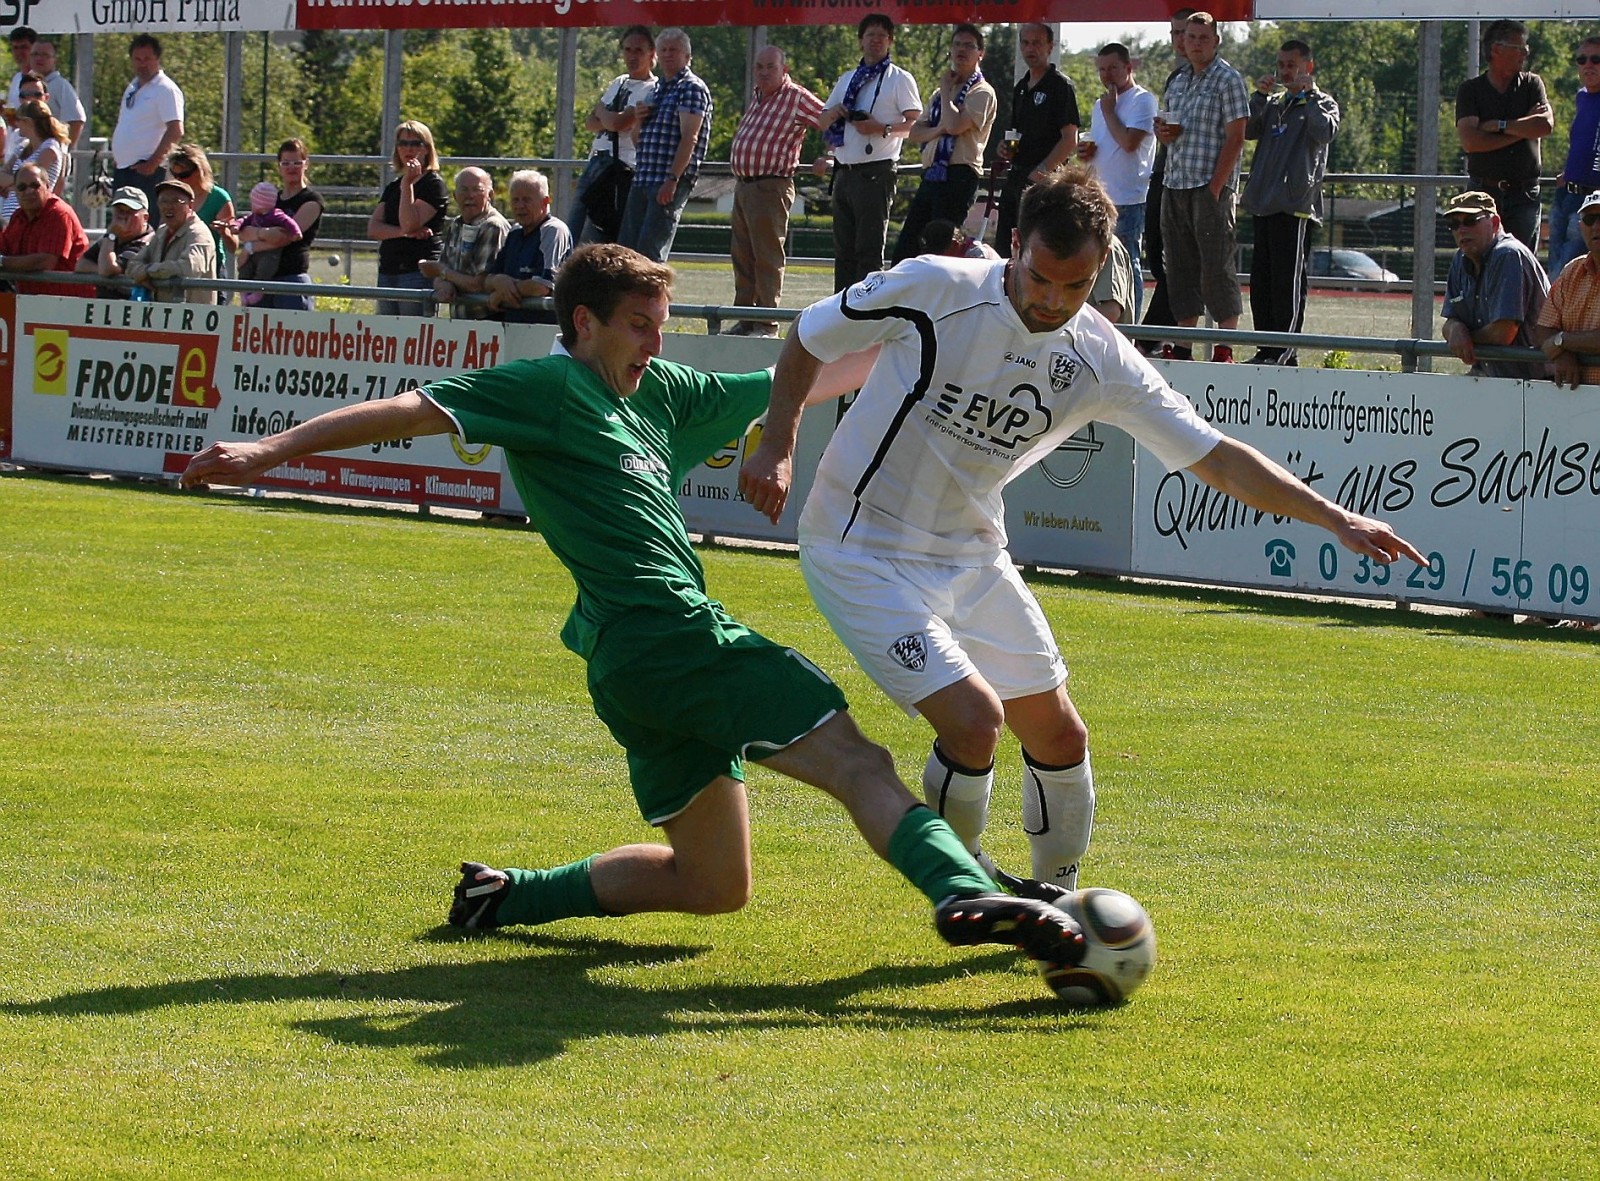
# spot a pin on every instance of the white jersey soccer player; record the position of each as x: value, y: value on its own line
x: 903, y: 535
x: 984, y: 368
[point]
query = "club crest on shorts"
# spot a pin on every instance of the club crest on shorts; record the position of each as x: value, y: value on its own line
x: 911, y: 651
x: 1063, y: 370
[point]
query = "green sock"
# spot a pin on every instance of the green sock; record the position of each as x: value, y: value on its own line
x: 927, y: 851
x: 544, y: 895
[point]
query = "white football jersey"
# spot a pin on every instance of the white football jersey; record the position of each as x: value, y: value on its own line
x: 962, y: 400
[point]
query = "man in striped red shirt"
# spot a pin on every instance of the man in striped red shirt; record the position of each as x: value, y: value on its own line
x: 766, y: 151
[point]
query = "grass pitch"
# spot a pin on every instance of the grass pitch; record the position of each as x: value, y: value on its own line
x: 245, y: 742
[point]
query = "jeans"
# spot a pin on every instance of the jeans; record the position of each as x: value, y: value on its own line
x: 1130, y: 231
x: 415, y: 281
x: 949, y: 199
x: 128, y: 176
x: 1566, y: 241
x: 649, y: 226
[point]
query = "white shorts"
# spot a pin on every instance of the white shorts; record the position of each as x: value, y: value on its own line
x: 917, y: 626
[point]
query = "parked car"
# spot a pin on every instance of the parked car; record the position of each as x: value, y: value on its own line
x: 1334, y: 263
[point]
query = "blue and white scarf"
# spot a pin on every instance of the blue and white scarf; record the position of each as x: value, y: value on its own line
x: 940, y: 168
x: 834, y: 135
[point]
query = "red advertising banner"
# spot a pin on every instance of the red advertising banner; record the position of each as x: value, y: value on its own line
x: 477, y: 14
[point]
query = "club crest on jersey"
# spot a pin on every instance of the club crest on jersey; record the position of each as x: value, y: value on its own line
x: 1063, y: 371
x: 866, y: 287
x: 911, y: 651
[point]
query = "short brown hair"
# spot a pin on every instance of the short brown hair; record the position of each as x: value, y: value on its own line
x: 598, y: 276
x: 1068, y: 210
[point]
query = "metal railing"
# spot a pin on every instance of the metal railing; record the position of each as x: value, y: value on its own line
x: 1408, y: 350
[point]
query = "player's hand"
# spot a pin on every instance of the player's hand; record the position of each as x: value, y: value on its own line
x: 1376, y: 539
x: 226, y: 463
x: 765, y: 480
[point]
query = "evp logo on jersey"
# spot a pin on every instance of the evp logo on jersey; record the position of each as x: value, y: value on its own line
x: 1063, y: 371
x: 1005, y: 422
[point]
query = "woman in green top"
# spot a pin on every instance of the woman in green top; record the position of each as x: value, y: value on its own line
x: 213, y: 204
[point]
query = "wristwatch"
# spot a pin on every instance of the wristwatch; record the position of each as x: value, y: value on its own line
x: 1502, y: 126
x: 1559, y: 340
x: 674, y: 177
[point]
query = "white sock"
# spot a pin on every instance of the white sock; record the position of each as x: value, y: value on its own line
x: 1058, y: 816
x: 959, y: 794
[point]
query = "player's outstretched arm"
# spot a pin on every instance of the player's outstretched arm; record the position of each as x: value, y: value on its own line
x: 765, y: 478
x: 1249, y: 476
x: 404, y: 416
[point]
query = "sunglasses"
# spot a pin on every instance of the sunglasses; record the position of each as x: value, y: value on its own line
x: 35, y: 95
x: 25, y: 186
x: 1587, y: 219
x: 1519, y: 50
x: 1588, y: 59
x: 182, y: 173
x: 1461, y: 223
x: 410, y: 143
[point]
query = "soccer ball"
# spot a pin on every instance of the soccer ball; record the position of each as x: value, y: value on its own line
x: 1120, y: 948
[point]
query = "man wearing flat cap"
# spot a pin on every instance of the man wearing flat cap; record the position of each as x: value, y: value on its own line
x: 128, y: 234
x: 181, y: 248
x: 1495, y: 289
x: 1568, y: 326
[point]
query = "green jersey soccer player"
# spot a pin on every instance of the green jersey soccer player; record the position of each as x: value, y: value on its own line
x: 597, y: 439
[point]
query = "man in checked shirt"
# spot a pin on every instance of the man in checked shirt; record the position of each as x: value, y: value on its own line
x: 766, y: 151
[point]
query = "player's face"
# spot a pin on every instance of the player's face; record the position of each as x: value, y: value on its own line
x: 1047, y: 289
x: 619, y: 350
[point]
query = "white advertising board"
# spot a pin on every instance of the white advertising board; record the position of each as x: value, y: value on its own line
x: 148, y: 16
x: 1497, y: 481
x: 136, y: 388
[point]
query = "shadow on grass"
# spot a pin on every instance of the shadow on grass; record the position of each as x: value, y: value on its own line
x: 517, y: 1011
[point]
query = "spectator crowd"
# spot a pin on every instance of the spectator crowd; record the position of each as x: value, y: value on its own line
x: 1170, y: 159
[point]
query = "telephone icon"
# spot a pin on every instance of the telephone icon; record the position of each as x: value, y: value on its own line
x: 1280, y: 556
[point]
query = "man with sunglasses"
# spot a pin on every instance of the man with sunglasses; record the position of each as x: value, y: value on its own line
x: 149, y: 120
x: 1501, y: 115
x: 1568, y: 326
x: 1495, y: 289
x: 44, y: 235
x: 1581, y: 174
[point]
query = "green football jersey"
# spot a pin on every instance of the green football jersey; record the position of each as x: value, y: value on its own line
x: 599, y: 473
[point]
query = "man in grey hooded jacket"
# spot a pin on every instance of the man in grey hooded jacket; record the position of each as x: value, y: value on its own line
x: 1293, y: 129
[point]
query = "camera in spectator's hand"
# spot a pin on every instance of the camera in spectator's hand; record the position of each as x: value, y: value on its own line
x: 858, y: 116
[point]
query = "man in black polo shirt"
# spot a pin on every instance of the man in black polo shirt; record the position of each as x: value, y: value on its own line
x: 1044, y: 125
x: 1501, y: 115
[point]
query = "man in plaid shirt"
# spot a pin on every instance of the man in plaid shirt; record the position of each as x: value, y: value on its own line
x: 675, y: 128
x: 765, y: 153
x: 1207, y: 103
x: 1568, y: 326
x: 471, y: 245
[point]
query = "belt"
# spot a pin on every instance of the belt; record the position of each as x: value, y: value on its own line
x: 1508, y: 186
x: 745, y: 180
x: 866, y: 164
x: 1580, y: 190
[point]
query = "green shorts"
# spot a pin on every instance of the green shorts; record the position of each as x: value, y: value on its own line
x: 700, y: 696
